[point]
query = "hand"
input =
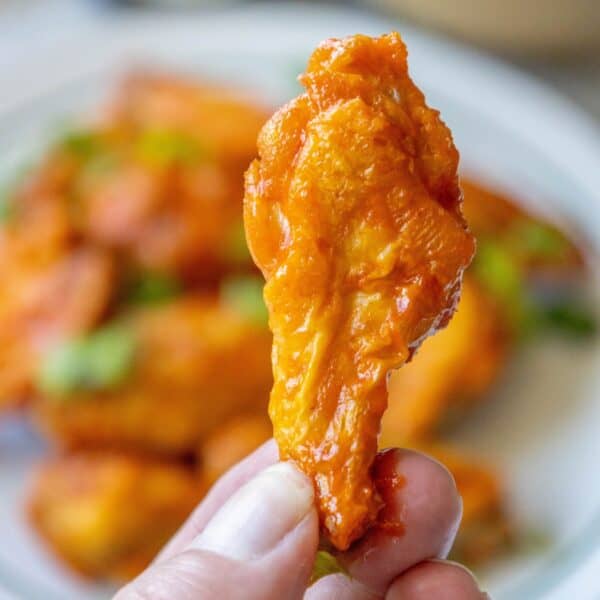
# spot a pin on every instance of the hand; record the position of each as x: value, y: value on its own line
x: 255, y: 536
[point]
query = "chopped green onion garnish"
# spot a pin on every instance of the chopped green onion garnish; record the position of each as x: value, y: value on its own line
x: 326, y: 564
x: 500, y: 274
x: 245, y: 294
x: 162, y: 147
x: 93, y: 150
x: 533, y: 541
x: 102, y: 360
x: 569, y: 318
x: 152, y: 288
x: 82, y: 143
x: 537, y: 240
x: 497, y: 270
x: 100, y: 164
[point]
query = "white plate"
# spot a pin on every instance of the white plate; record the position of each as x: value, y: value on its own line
x: 542, y: 429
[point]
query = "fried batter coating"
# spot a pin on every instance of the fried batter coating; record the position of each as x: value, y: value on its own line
x: 107, y: 515
x: 451, y: 371
x: 197, y: 362
x: 352, y: 213
x: 454, y: 369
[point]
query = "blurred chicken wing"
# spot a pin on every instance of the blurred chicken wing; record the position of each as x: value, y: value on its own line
x: 353, y: 215
x: 53, y: 286
x: 485, y: 530
x: 537, y: 246
x: 227, y: 119
x: 107, y: 515
x: 151, y: 191
x: 159, y: 178
x: 450, y: 372
x: 167, y: 187
x: 196, y: 361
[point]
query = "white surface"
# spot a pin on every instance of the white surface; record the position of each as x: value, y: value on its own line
x: 543, y: 427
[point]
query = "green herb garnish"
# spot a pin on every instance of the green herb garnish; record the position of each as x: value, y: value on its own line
x: 245, y: 294
x: 82, y: 143
x: 162, y: 147
x: 152, y: 288
x: 532, y: 541
x: 537, y: 240
x: 498, y: 271
x: 569, y: 318
x: 326, y: 564
x: 100, y: 361
x: 100, y: 164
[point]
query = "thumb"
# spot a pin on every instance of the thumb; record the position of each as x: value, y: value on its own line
x: 261, y: 544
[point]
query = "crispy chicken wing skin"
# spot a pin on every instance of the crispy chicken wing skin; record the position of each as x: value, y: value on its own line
x: 352, y: 213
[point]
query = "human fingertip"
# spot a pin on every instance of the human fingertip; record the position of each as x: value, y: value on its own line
x: 260, y: 514
x: 430, y: 492
x: 424, y: 509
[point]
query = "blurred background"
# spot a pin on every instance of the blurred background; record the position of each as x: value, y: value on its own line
x: 134, y: 346
x: 554, y: 39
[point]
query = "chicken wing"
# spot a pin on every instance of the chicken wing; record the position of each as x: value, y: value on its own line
x: 150, y: 191
x: 352, y: 213
x: 108, y: 514
x: 52, y: 286
x: 535, y: 245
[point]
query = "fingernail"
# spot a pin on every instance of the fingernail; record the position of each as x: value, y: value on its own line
x: 259, y: 514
